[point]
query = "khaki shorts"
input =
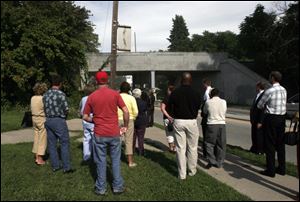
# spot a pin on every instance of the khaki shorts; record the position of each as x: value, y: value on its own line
x: 128, y: 137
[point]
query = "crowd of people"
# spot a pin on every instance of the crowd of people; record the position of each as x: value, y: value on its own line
x: 110, y: 117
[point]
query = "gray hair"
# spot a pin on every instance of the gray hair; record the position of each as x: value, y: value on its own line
x: 137, y: 93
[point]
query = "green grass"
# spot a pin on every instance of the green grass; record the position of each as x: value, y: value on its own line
x: 155, y: 178
x: 258, y: 160
x: 11, y: 120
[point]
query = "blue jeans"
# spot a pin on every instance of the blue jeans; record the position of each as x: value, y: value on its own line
x: 57, y: 129
x: 100, y: 145
x: 88, y: 133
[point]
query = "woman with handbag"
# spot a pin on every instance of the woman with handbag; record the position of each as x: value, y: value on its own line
x: 168, y: 120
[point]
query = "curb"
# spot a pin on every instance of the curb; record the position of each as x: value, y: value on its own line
x: 237, y: 118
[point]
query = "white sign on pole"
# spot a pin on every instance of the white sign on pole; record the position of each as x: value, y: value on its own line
x: 124, y: 38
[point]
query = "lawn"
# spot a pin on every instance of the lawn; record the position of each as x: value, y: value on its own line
x: 155, y: 178
x: 11, y: 119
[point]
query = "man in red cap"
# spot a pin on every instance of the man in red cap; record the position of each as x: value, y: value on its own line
x: 104, y: 103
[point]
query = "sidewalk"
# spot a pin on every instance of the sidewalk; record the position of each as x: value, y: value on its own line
x: 236, y: 173
x: 26, y: 135
x: 240, y: 114
x: 241, y: 176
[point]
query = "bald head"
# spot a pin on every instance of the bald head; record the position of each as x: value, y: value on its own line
x: 186, y: 78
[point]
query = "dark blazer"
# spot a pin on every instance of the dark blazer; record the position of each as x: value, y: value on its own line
x: 141, y: 119
x: 203, y: 115
x: 256, y: 115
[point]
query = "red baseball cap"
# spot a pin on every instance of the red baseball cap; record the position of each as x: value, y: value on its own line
x: 101, y: 77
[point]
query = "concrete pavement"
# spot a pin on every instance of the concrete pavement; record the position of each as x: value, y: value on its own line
x: 240, y: 175
x: 26, y: 135
x: 236, y: 173
x: 238, y: 130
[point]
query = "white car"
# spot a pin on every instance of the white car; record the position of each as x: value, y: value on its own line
x: 292, y: 105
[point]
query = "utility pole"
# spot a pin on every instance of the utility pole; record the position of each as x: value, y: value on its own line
x: 114, y: 29
x: 134, y: 42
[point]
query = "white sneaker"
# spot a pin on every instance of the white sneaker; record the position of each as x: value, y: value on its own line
x: 132, y: 165
x: 191, y: 174
x: 181, y: 178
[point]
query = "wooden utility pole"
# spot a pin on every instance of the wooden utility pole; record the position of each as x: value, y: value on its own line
x: 114, y: 29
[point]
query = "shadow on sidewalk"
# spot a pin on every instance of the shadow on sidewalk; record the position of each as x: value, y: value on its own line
x: 239, y: 169
x: 156, y: 144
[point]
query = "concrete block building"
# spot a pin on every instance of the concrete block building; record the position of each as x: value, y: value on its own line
x: 153, y: 69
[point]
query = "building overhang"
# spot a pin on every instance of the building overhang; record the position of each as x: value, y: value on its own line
x: 159, y: 61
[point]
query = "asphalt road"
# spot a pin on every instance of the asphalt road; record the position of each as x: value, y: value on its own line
x: 238, y: 134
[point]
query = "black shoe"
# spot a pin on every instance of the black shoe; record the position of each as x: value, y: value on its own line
x: 69, y: 171
x: 254, y: 152
x: 266, y: 173
x: 85, y: 163
x: 280, y: 172
x: 208, y: 166
x: 56, y: 169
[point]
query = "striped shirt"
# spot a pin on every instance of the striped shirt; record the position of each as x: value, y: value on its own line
x: 274, y: 100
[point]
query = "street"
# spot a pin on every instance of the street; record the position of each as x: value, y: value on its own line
x: 238, y: 134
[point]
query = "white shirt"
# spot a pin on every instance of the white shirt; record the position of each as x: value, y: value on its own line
x: 82, y: 105
x: 216, y: 109
x: 206, y: 94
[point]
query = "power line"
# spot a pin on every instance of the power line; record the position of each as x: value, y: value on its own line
x: 107, y: 11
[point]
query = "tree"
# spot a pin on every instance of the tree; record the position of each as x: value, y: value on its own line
x: 286, y: 48
x: 39, y: 38
x: 205, y: 42
x: 179, y: 36
x: 271, y: 41
x: 228, y: 42
x: 216, y: 42
x: 254, y: 38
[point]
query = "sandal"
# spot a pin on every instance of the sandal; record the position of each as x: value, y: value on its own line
x: 41, y: 163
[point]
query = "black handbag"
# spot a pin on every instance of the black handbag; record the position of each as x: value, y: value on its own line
x: 27, y: 120
x: 170, y: 126
x: 292, y: 137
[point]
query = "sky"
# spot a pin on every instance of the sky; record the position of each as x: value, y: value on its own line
x: 151, y: 21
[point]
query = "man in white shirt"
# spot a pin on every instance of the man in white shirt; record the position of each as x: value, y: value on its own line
x: 88, y: 128
x: 273, y: 102
x: 207, y: 86
x: 215, y: 108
